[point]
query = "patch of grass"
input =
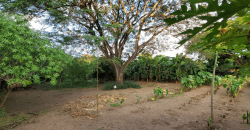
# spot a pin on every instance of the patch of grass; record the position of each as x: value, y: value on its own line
x: 115, y: 104
x: 151, y: 85
x: 43, y: 112
x: 2, y: 112
x: 65, y: 90
x: 126, y: 84
x: 180, y: 94
x: 8, y: 121
x: 108, y: 100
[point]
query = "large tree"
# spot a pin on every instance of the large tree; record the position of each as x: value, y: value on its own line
x: 117, y: 28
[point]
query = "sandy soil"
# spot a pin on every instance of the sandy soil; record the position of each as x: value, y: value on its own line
x: 187, y: 111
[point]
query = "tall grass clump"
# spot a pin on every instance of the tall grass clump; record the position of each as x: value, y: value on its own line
x: 126, y: 84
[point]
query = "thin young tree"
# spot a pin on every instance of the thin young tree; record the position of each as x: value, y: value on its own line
x: 224, y: 10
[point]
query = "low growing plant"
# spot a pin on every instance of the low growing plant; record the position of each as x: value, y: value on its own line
x: 116, y: 104
x: 159, y: 91
x: 138, y: 98
x: 244, y: 116
x: 233, y: 84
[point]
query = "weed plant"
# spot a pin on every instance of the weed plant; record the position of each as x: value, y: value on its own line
x: 126, y: 84
x: 2, y: 112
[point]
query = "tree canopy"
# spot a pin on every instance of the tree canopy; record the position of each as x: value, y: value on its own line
x: 117, y: 28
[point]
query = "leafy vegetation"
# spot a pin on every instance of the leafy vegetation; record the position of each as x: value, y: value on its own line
x: 202, y: 78
x: 245, y: 117
x: 234, y: 84
x: 116, y: 37
x: 158, y: 92
x: 162, y: 68
x: 25, y: 55
x: 234, y: 40
x: 79, y: 73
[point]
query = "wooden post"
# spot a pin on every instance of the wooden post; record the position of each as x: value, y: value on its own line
x: 212, y: 90
x: 247, y: 117
x: 97, y: 90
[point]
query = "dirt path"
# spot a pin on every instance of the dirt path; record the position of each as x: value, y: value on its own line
x: 187, y: 111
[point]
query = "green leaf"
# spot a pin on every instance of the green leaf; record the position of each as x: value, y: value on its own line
x: 224, y: 11
x: 244, y: 117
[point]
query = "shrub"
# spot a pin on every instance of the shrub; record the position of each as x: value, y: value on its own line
x: 202, y: 78
x: 126, y: 84
x: 233, y: 84
x: 131, y: 84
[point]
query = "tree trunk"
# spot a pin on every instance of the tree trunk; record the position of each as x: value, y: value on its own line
x: 159, y: 77
x: 6, y: 96
x: 177, y: 74
x: 60, y: 84
x: 119, y: 73
x: 150, y: 74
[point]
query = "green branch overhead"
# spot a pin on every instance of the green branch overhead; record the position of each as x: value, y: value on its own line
x: 224, y: 11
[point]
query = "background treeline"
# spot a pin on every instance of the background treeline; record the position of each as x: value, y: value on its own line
x: 172, y: 69
x: 82, y: 72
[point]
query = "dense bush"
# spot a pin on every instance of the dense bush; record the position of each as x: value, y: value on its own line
x: 202, y: 78
x: 78, y: 74
x: 106, y: 71
x: 126, y: 84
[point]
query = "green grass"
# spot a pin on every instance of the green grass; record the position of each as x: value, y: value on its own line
x: 180, y: 94
x: 115, y: 104
x: 43, y: 112
x: 126, y: 84
x: 7, y: 122
x: 151, y: 85
x: 65, y: 90
x: 2, y: 112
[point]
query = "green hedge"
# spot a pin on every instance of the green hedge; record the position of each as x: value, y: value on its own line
x: 126, y: 84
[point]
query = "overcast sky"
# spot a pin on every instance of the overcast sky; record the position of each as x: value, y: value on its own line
x: 37, y: 24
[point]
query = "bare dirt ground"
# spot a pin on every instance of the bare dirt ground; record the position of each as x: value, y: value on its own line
x: 55, y: 109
